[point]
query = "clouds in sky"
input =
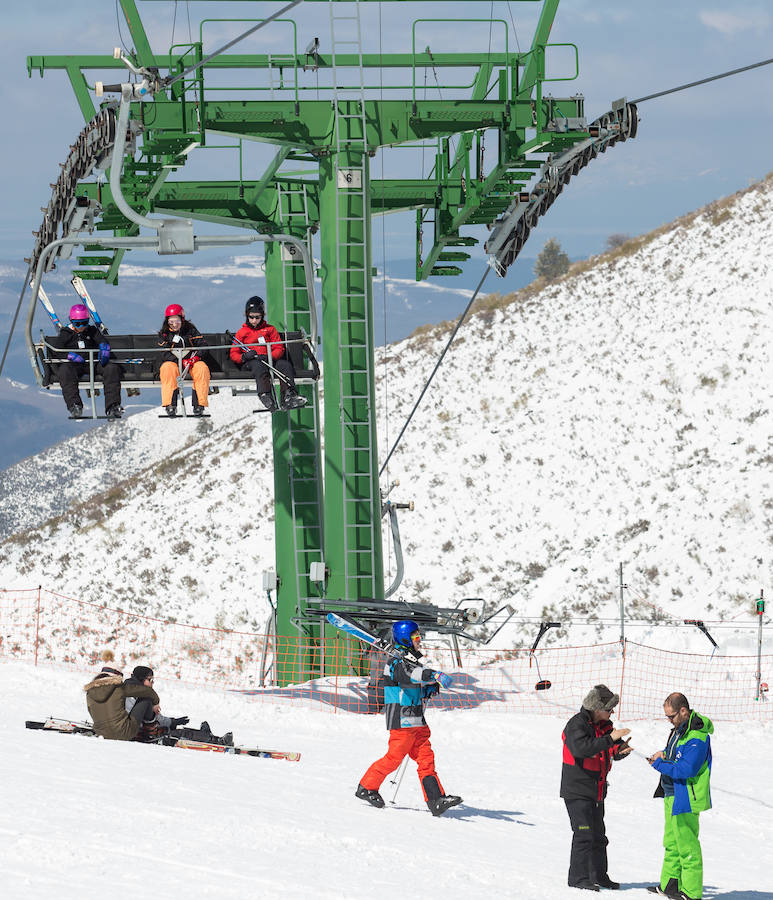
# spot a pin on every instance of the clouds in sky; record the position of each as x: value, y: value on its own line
x: 732, y: 22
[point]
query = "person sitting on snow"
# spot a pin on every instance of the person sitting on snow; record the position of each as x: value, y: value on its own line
x: 152, y: 724
x: 106, y: 699
x: 407, y: 686
x: 250, y: 351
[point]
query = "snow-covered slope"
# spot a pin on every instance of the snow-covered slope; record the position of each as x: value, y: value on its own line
x: 86, y: 818
x: 620, y: 415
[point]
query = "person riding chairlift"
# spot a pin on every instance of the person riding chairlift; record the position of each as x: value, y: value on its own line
x: 76, y: 338
x: 250, y: 351
x: 179, y: 335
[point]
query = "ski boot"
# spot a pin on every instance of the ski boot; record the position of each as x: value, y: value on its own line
x: 75, y: 411
x: 268, y: 401
x: 372, y: 797
x: 114, y: 411
x: 671, y: 889
x: 442, y: 804
x: 292, y: 400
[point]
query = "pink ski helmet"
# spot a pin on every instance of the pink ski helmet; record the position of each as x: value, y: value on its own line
x: 174, y: 309
x: 79, y: 314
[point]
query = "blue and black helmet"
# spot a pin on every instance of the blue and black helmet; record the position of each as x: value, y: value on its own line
x: 403, y: 631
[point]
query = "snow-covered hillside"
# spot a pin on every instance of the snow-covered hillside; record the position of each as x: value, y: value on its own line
x: 622, y: 414
x: 86, y: 818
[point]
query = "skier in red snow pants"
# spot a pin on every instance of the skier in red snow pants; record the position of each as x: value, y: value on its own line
x: 407, y: 687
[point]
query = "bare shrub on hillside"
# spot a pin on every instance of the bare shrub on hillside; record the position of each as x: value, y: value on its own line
x: 617, y: 240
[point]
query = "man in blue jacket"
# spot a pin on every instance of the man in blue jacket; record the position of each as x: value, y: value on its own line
x: 685, y: 773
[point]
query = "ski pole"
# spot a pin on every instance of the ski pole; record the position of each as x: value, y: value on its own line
x: 49, y: 308
x: 80, y: 289
x: 398, y: 777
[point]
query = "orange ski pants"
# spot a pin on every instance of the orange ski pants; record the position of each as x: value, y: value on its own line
x: 411, y: 741
x: 199, y: 375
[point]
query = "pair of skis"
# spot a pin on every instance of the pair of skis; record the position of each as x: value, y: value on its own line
x: 67, y: 726
x: 80, y: 290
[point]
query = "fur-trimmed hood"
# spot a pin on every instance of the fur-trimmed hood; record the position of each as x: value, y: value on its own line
x: 108, y: 682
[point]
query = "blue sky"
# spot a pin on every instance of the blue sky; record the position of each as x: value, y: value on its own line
x: 692, y: 147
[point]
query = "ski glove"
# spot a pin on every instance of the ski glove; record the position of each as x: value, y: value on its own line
x: 190, y: 360
x: 183, y: 720
x: 443, y: 679
x: 248, y: 355
x: 104, y: 353
x: 75, y: 357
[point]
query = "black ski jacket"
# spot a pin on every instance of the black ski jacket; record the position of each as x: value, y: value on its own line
x: 588, y: 754
x: 192, y: 339
x: 69, y: 341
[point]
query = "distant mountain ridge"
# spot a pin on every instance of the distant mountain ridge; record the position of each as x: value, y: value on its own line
x: 619, y: 415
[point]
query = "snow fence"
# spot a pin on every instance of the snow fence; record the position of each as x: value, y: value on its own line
x: 47, y: 628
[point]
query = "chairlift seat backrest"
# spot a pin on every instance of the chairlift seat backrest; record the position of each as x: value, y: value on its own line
x: 215, y: 352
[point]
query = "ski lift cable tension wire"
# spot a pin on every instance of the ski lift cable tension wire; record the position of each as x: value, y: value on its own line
x: 681, y: 87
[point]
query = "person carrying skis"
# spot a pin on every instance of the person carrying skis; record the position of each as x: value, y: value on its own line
x: 590, y: 745
x: 73, y: 340
x: 250, y: 351
x: 685, y: 774
x: 153, y: 725
x: 181, y: 336
x: 407, y: 686
x: 106, y: 699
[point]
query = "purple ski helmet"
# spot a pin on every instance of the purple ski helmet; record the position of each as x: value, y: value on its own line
x: 79, y: 314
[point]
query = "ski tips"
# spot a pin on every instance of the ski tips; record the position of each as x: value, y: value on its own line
x: 542, y: 685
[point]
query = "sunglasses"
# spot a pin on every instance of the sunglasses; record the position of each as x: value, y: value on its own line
x: 255, y: 316
x: 79, y: 323
x: 672, y: 716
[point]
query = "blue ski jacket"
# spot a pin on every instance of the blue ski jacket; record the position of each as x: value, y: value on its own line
x: 690, y: 768
x: 407, y: 686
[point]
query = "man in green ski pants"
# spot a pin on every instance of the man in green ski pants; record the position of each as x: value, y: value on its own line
x: 685, y: 772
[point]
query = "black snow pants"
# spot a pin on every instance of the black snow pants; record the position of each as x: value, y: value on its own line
x: 588, y: 858
x: 260, y: 371
x: 70, y: 372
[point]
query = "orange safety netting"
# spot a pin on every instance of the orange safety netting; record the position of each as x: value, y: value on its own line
x: 47, y: 628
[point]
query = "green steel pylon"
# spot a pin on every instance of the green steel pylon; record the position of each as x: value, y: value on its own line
x: 328, y: 505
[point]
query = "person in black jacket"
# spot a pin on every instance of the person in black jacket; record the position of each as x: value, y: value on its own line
x: 73, y: 341
x: 590, y: 745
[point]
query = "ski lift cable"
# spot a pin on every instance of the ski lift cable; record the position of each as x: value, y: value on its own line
x: 683, y: 87
x: 437, y: 366
x: 15, y: 317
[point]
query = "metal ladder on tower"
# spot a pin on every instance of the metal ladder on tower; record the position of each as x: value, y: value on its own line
x: 293, y: 207
x: 303, y: 428
x: 354, y: 331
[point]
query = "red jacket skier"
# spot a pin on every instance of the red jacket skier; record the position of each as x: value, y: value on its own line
x: 407, y: 686
x: 250, y: 350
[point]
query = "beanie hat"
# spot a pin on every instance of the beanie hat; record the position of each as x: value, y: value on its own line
x: 142, y: 672
x: 107, y: 657
x: 600, y: 697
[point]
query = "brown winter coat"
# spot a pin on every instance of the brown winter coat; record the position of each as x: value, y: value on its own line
x: 106, y: 700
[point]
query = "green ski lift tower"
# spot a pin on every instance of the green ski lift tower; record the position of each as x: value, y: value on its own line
x: 332, y: 104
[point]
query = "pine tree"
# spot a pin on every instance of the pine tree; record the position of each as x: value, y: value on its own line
x: 551, y: 261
